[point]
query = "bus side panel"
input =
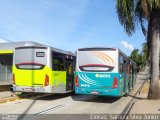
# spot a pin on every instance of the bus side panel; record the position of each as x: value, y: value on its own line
x: 127, y: 82
x: 122, y: 85
x: 130, y: 82
x: 59, y: 81
x: 40, y: 75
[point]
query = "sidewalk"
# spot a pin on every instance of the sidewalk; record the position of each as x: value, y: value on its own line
x: 144, y: 105
x: 6, y: 96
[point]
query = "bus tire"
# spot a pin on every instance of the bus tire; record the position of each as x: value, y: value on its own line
x: 126, y: 94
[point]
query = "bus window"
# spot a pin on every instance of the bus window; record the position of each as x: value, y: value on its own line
x: 30, y: 58
x: 128, y: 68
x: 58, y: 62
x: 96, y: 61
x: 121, y: 62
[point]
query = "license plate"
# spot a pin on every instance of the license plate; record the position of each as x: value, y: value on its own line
x: 29, y: 89
x: 95, y: 92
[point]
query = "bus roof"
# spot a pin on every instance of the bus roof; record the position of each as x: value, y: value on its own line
x: 29, y: 44
x: 13, y: 45
x: 63, y: 51
x: 96, y: 48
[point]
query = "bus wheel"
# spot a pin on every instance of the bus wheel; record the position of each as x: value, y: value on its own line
x: 126, y: 94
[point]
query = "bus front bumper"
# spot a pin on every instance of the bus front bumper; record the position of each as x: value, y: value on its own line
x: 40, y: 89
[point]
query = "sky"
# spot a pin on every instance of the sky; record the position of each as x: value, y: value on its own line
x: 66, y: 24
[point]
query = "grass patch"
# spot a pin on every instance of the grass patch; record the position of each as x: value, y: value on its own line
x: 145, y: 88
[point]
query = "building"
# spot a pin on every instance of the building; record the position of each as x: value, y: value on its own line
x: 6, y: 59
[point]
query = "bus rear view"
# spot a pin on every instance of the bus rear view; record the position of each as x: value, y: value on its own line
x: 31, y: 69
x: 97, y: 72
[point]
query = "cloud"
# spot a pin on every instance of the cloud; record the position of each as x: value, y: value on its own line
x: 3, y: 40
x: 127, y: 45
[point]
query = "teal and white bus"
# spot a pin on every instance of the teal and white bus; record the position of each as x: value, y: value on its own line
x: 104, y: 71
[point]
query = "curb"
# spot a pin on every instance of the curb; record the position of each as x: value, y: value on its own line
x: 130, y: 104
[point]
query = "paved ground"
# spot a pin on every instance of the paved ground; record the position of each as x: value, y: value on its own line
x: 144, y: 105
x: 5, y: 94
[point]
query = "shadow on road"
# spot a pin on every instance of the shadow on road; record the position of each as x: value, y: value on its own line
x: 96, y: 99
x: 138, y: 98
x: 21, y: 116
x: 54, y: 96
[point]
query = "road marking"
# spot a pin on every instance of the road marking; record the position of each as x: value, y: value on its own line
x: 79, y: 98
x: 49, y: 110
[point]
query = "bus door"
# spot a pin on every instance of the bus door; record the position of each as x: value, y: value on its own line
x: 123, y: 71
x: 132, y: 76
x: 29, y: 64
x: 126, y: 86
x: 69, y: 73
x: 125, y: 75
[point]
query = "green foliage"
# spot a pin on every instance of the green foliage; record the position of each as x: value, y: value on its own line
x: 135, y: 56
x: 135, y: 12
x: 144, y: 51
x: 140, y: 58
x: 125, y: 11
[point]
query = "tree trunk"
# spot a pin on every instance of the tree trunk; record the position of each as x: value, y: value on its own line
x: 154, y: 92
x: 149, y: 40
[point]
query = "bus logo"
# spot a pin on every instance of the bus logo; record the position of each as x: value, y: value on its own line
x: 102, y: 76
x: 85, y: 85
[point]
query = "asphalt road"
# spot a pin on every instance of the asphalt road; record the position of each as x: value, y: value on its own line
x: 67, y: 106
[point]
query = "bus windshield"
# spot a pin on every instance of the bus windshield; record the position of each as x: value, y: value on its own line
x: 30, y: 57
x: 96, y: 61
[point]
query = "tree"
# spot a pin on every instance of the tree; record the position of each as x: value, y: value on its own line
x: 145, y: 13
x: 138, y: 58
x: 135, y: 55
